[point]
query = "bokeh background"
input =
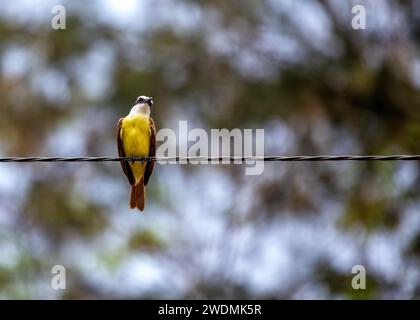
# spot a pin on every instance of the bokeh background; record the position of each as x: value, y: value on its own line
x: 294, y: 68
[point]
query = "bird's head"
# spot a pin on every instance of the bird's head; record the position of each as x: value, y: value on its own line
x: 144, y: 100
x: 142, y: 106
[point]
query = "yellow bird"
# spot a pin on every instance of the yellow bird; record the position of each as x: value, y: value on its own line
x: 136, y: 137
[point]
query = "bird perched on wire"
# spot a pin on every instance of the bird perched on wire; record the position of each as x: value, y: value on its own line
x: 136, y: 137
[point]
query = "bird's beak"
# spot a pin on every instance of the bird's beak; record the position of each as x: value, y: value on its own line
x: 150, y: 102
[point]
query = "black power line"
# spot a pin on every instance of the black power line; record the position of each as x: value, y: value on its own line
x: 231, y: 159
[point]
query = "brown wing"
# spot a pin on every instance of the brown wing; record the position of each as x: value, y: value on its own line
x: 124, y: 164
x: 152, y: 152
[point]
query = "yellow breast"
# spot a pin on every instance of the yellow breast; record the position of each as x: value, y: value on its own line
x: 135, y: 134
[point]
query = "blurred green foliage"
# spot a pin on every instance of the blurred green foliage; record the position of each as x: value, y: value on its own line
x: 207, y: 230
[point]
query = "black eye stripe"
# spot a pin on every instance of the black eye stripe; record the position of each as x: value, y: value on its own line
x: 143, y: 99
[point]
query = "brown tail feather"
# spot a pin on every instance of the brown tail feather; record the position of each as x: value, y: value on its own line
x: 138, y: 196
x: 141, y: 195
x: 133, y: 197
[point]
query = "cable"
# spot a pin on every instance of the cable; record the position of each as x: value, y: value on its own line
x: 220, y: 159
